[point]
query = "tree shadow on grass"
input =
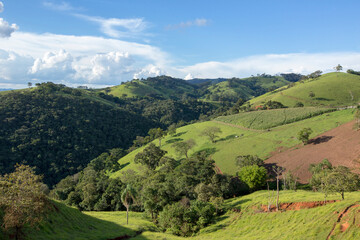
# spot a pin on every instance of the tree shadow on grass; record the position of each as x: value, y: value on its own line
x: 174, y: 140
x: 232, y: 136
x: 206, y: 151
x: 124, y: 165
x: 236, y: 204
x: 179, y: 134
x: 323, y: 99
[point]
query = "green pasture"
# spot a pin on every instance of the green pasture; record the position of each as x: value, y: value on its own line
x: 235, y: 141
x: 265, y: 119
x: 331, y: 89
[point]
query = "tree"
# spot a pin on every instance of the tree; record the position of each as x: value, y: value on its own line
x: 357, y: 118
x: 29, y: 84
x: 211, y: 133
x: 278, y: 171
x: 150, y: 157
x: 172, y: 129
x: 254, y: 176
x: 22, y: 199
x: 341, y: 180
x: 128, y: 198
x: 304, y: 135
x: 338, y: 68
x: 320, y: 172
x: 248, y: 160
x: 182, y: 148
x: 155, y: 133
x: 311, y: 94
x: 315, y: 74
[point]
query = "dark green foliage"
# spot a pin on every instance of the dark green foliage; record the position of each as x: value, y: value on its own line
x: 299, y: 104
x: 150, y: 157
x: 248, y: 160
x: 353, y: 72
x: 59, y: 129
x: 183, y: 220
x: 291, y: 77
x: 273, y: 105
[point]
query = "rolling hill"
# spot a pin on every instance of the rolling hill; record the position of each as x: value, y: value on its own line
x: 59, y: 130
x: 238, y: 140
x: 331, y: 89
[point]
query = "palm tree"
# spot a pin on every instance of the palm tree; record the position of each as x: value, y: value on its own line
x: 128, y: 197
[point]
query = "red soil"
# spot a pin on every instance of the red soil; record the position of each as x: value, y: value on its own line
x: 341, y: 146
x: 296, y: 205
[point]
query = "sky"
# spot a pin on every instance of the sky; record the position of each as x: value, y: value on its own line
x: 103, y: 43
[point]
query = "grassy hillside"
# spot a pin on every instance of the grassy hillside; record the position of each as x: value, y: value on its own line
x: 266, y: 119
x: 69, y: 223
x: 163, y: 86
x: 245, y: 88
x: 248, y: 223
x: 332, y: 89
x: 235, y: 140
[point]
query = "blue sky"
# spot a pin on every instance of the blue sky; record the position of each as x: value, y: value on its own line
x: 102, y: 43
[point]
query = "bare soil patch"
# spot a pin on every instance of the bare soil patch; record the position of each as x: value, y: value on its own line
x: 296, y: 205
x: 341, y: 146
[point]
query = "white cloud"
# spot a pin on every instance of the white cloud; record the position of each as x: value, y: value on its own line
x: 199, y: 22
x: 63, y: 6
x: 149, y: 71
x: 106, y: 68
x: 1, y: 7
x: 6, y: 29
x: 116, y: 27
x: 271, y: 64
x: 53, y: 66
x: 188, y: 77
x: 14, y: 68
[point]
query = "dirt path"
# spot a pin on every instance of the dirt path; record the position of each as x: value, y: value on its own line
x: 341, y: 146
x: 340, y: 217
x: 238, y: 126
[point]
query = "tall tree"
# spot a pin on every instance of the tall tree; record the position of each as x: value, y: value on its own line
x: 128, y: 198
x: 150, y: 157
x: 338, y: 68
x: 341, y: 180
x: 157, y: 133
x: 183, y: 147
x: 22, y: 199
x: 211, y: 133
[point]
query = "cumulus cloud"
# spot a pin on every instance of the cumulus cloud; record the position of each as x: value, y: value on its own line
x: 6, y: 29
x: 14, y: 68
x: 199, y: 22
x: 53, y: 66
x: 149, y: 71
x: 188, y: 77
x: 1, y: 7
x: 116, y: 27
x: 105, y: 68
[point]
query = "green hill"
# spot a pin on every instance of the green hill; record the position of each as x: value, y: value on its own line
x: 236, y: 140
x: 163, y: 86
x: 245, y: 88
x: 59, y: 129
x: 244, y: 219
x: 332, y: 89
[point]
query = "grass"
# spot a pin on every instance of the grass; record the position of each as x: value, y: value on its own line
x: 250, y: 223
x: 70, y: 223
x: 331, y: 89
x: 272, y: 118
x: 235, y: 141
